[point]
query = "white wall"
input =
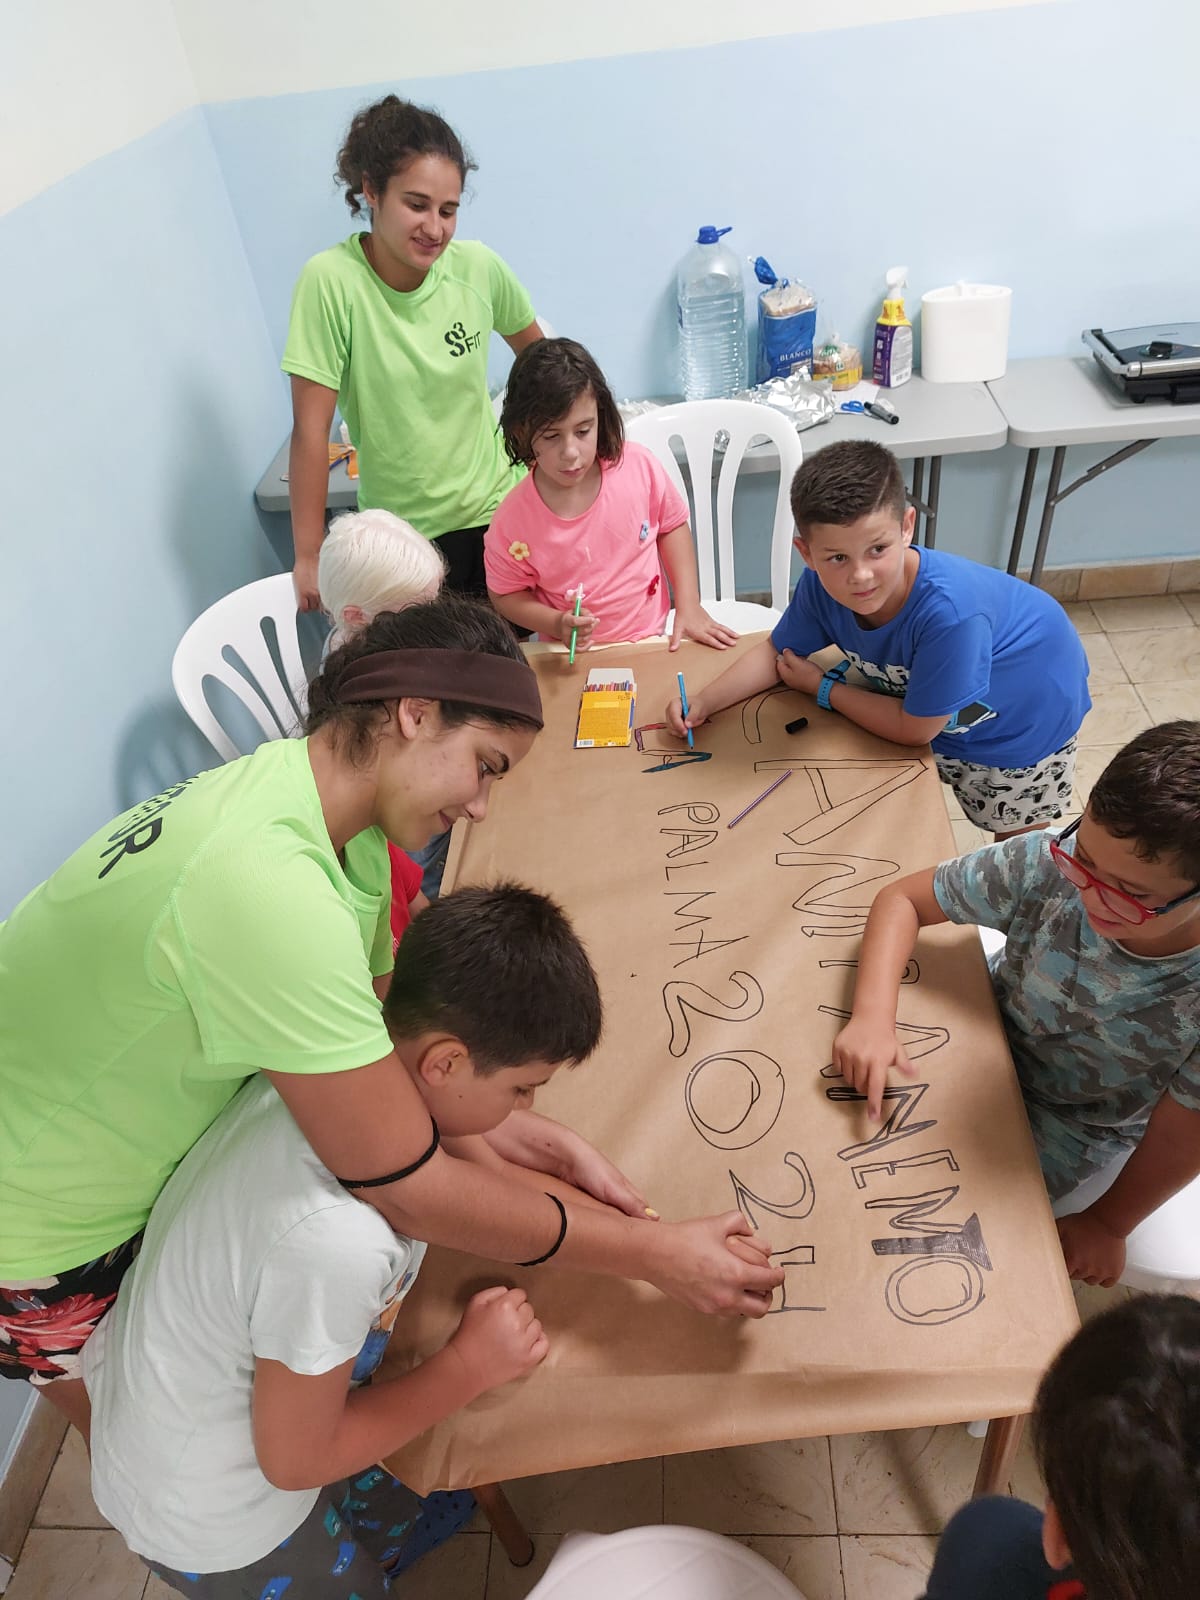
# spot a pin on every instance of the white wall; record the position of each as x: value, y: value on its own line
x: 79, y: 80
x: 272, y: 47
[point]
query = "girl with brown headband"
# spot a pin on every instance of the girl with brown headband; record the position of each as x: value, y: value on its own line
x: 238, y: 922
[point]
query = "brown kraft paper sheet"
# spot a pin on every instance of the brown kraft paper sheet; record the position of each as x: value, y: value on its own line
x: 924, y: 1282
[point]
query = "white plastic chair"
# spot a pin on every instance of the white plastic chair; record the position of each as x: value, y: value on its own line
x: 695, y: 424
x: 1162, y: 1254
x: 235, y: 623
x: 664, y: 1563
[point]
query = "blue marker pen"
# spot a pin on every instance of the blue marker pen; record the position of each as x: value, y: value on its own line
x: 684, y: 704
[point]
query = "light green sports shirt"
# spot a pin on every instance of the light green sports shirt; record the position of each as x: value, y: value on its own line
x: 205, y: 934
x: 410, y: 370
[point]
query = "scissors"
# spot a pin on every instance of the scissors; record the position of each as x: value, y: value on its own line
x: 879, y: 409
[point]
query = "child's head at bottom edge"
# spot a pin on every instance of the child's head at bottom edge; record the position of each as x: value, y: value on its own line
x: 491, y: 993
x: 1117, y: 1433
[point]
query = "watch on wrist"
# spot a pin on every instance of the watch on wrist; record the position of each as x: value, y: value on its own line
x: 835, y: 675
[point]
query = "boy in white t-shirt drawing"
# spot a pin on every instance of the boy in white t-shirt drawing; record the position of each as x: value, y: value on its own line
x: 231, y: 1444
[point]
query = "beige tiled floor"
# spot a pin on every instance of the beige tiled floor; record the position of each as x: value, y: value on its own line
x: 850, y: 1518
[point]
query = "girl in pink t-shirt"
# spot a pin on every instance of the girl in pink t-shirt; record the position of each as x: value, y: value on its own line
x: 596, y: 517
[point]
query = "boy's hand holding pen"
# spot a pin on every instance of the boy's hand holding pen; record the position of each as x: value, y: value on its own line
x: 681, y: 722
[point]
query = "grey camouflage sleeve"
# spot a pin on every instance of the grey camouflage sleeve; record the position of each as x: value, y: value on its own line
x: 986, y: 887
x: 1184, y: 1087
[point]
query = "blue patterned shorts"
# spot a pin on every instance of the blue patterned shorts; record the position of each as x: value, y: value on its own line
x: 354, y: 1543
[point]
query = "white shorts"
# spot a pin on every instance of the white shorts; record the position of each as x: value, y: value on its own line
x: 1002, y: 799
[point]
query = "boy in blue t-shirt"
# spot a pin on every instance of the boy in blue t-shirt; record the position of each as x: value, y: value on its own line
x: 982, y: 666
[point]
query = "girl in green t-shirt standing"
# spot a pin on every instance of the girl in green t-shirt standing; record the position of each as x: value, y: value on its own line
x: 394, y: 326
x: 239, y: 922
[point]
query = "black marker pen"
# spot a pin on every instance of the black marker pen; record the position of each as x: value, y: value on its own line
x: 881, y: 411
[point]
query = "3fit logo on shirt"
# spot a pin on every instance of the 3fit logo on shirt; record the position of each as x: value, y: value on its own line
x: 887, y: 679
x: 141, y: 827
x: 460, y: 341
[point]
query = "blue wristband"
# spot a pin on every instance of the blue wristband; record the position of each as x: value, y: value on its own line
x: 825, y: 688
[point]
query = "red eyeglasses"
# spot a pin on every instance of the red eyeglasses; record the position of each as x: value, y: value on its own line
x: 1118, y: 902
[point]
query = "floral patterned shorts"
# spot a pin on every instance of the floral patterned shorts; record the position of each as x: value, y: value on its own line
x: 45, y: 1322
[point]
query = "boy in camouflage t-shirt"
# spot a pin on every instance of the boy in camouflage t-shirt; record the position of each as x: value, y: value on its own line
x: 1098, y: 985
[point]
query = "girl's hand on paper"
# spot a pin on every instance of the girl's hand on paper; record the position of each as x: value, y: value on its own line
x: 864, y: 1053
x: 498, y: 1339
x: 695, y: 623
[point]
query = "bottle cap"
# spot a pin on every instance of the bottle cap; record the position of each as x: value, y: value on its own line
x: 893, y: 314
x: 711, y: 235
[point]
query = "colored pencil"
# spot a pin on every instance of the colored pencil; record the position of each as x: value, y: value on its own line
x: 782, y: 778
x: 575, y: 631
x: 683, y: 703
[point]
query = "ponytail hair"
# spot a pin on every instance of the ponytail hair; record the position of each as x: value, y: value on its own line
x: 384, y: 137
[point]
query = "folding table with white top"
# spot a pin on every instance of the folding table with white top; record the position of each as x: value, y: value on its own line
x: 1067, y: 400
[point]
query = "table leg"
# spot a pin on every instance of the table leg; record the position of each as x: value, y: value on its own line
x: 999, y: 1451
x: 931, y: 509
x: 507, y: 1526
x: 1043, y: 538
x: 917, y: 496
x: 1018, y: 538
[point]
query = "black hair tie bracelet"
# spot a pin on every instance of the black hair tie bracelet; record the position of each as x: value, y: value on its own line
x: 562, y: 1234
x: 404, y: 1172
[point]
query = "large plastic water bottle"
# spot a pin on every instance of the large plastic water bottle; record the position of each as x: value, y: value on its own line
x: 712, y: 319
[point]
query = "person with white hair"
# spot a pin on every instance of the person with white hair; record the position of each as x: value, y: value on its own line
x: 372, y: 561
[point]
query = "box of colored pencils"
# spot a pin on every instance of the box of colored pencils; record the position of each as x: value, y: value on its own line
x: 606, y: 709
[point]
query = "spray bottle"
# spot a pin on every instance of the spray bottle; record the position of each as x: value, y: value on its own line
x: 892, y: 362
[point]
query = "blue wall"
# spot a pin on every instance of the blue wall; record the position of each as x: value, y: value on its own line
x: 139, y: 403
x: 996, y: 146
